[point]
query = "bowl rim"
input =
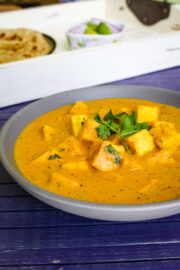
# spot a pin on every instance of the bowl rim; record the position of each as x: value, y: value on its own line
x: 52, y: 40
x: 30, y: 187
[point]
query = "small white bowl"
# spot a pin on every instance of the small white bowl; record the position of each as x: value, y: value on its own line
x: 79, y: 41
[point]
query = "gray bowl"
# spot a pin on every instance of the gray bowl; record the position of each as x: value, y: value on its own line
x: 21, y: 119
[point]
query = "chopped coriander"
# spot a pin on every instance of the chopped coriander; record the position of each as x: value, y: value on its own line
x: 123, y: 124
x: 112, y: 126
x: 54, y: 156
x: 113, y: 152
x: 109, y: 116
x: 110, y: 149
x: 103, y: 132
x: 62, y: 149
x: 97, y: 117
x: 117, y: 160
x: 83, y: 122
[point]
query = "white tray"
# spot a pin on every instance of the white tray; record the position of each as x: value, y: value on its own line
x: 143, y: 49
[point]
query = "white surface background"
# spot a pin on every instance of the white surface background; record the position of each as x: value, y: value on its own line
x: 143, y: 49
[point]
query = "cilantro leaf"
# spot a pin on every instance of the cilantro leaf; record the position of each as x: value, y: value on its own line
x: 83, y: 122
x: 133, y: 116
x: 97, y: 118
x: 110, y: 149
x: 103, y: 132
x: 117, y: 160
x: 128, y: 120
x: 120, y: 115
x: 143, y: 125
x: 126, y: 133
x: 54, y: 156
x: 115, y: 126
x: 110, y: 126
x: 109, y: 116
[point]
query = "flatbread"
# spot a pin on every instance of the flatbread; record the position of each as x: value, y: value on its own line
x: 21, y: 43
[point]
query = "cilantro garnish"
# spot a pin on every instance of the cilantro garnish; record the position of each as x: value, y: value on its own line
x: 54, y: 156
x: 83, y: 122
x: 103, y: 131
x: 117, y: 160
x: 113, y: 152
x: 123, y: 124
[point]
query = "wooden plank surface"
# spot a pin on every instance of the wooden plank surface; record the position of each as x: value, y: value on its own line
x: 89, y: 244
x: 101, y: 255
x: 53, y: 218
x: 153, y: 265
x: 35, y: 236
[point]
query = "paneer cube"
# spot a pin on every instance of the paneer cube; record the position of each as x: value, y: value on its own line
x: 109, y: 157
x: 147, y: 114
x: 161, y: 157
x: 165, y: 136
x: 42, y: 158
x: 89, y: 132
x: 77, y: 122
x: 57, y: 180
x: 141, y: 143
x: 79, y: 108
x: 50, y: 155
x: 48, y: 133
x: 71, y: 146
x: 79, y: 165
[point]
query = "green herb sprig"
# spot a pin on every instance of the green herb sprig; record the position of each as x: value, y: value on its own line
x: 123, y: 124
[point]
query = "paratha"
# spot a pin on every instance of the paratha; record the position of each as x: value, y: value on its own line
x: 21, y: 43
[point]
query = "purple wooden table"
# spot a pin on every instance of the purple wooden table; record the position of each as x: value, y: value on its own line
x: 36, y: 236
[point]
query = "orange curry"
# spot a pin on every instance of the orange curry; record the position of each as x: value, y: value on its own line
x: 118, y: 151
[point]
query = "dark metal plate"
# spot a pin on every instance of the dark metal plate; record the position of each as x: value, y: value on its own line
x: 149, y: 12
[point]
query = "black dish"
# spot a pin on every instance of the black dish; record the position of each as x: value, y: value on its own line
x: 51, y: 42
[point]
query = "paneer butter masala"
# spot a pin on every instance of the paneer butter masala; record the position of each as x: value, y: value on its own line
x: 118, y: 151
